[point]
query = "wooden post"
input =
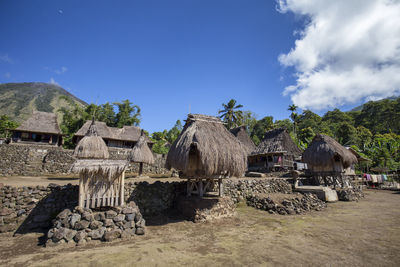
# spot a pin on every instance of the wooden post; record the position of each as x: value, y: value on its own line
x: 122, y: 189
x: 81, y: 191
x: 140, y: 168
x: 220, y: 188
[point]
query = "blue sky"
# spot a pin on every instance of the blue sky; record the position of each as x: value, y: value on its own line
x: 165, y: 56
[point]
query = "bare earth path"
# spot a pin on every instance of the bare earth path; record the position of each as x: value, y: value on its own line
x: 365, y: 233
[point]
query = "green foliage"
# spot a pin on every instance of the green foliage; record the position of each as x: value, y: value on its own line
x: 75, y: 115
x: 261, y: 126
x: 248, y: 119
x: 230, y: 114
x: 163, y: 140
x: 346, y: 133
x: 5, y: 124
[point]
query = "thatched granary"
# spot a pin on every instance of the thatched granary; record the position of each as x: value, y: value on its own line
x: 125, y: 137
x: 101, y: 180
x: 325, y: 157
x: 206, y: 150
x: 40, y: 128
x: 276, y: 151
x: 241, y: 134
x: 141, y: 153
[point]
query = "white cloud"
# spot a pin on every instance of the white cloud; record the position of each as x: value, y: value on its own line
x: 347, y: 52
x: 5, y: 58
x: 52, y: 81
x: 61, y: 71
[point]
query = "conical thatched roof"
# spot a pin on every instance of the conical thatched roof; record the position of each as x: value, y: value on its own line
x: 205, y: 148
x: 277, y: 141
x: 241, y: 134
x: 323, y: 149
x: 91, y: 146
x: 141, y: 151
x: 41, y: 122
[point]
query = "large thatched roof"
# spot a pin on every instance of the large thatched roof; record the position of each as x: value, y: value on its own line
x: 241, y: 133
x: 141, y: 151
x: 323, y: 149
x: 41, y: 122
x: 206, y: 148
x: 126, y: 133
x: 91, y: 146
x: 277, y: 141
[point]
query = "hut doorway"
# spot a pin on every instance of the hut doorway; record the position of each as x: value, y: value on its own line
x: 195, y: 165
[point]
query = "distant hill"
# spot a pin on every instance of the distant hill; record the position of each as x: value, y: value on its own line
x: 359, y: 108
x: 19, y: 100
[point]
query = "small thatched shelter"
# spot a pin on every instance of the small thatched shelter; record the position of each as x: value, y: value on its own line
x: 40, y: 128
x: 141, y: 153
x: 101, y: 180
x: 206, y: 150
x: 327, y: 158
x: 276, y: 151
x: 241, y: 134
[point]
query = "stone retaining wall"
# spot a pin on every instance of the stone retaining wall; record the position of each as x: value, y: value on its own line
x: 28, y: 209
x: 36, y: 160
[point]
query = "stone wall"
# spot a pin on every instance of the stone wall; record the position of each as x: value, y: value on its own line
x: 36, y: 160
x: 27, y: 209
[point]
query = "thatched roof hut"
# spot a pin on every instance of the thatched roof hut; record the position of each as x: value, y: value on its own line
x: 125, y: 137
x: 41, y: 122
x: 324, y: 153
x: 241, y: 134
x: 277, y: 141
x: 91, y: 146
x: 41, y: 128
x: 141, y: 152
x: 205, y: 148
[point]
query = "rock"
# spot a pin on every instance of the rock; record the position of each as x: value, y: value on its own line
x: 130, y: 217
x: 129, y: 224
x: 140, y: 231
x: 110, y: 214
x: 21, y: 212
x: 108, y: 222
x: 74, y: 219
x: 112, y: 235
x: 119, y: 218
x: 88, y: 216
x: 5, y: 212
x: 59, y: 234
x: 70, y: 234
x: 81, y: 235
x: 138, y: 217
x: 79, y: 210
x: 50, y: 233
x: 95, y: 225
x: 141, y: 223
x: 97, y: 234
x: 64, y: 214
x: 81, y: 225
x: 128, y: 210
x: 100, y: 216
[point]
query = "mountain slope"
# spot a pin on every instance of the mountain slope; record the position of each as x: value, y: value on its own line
x: 359, y: 108
x: 19, y: 100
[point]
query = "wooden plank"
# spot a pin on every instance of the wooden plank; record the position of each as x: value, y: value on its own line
x: 122, y: 186
x: 81, y: 192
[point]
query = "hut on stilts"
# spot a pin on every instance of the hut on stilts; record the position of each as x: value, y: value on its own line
x: 328, y: 161
x: 205, y: 153
x: 101, y: 180
x: 141, y: 153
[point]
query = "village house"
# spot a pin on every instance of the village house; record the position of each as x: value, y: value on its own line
x: 277, y: 151
x: 40, y: 128
x: 125, y: 137
x: 241, y: 134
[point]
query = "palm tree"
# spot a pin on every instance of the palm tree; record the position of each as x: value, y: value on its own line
x: 230, y: 114
x: 294, y: 117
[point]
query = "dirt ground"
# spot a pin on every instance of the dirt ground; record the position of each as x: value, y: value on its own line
x: 365, y: 233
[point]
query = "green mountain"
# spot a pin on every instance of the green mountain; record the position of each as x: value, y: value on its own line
x: 19, y: 100
x: 359, y: 108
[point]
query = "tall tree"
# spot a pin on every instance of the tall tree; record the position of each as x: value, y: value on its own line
x: 262, y: 126
x: 128, y: 113
x: 293, y: 116
x: 5, y: 125
x: 231, y: 114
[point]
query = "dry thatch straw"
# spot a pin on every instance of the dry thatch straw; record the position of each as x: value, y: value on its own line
x: 323, y: 150
x: 205, y: 148
x: 241, y: 134
x: 92, y: 168
x: 277, y: 141
x: 41, y: 122
x: 91, y: 146
x: 141, y: 152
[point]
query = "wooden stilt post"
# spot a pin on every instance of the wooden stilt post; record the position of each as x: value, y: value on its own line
x: 122, y: 189
x: 140, y: 168
x: 81, y: 192
x: 220, y: 188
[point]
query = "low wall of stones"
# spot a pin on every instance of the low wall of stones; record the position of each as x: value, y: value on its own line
x: 32, y: 209
x: 37, y: 160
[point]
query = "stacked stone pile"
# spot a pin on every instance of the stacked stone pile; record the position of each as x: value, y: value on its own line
x: 240, y: 190
x: 297, y: 204
x: 350, y: 194
x: 82, y: 225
